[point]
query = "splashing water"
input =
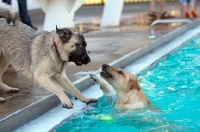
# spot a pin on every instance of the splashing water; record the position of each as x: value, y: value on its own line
x: 172, y: 85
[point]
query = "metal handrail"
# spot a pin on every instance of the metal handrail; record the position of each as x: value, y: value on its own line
x: 151, y: 32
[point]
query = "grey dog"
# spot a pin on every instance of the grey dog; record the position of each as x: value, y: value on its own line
x: 41, y: 55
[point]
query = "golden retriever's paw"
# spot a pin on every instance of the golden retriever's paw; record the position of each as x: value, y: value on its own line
x: 96, y: 78
x: 92, y: 100
x: 12, y: 90
x: 103, y: 85
x: 67, y: 105
x: 2, y: 99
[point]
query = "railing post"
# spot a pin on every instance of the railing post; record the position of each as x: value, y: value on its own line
x: 151, y: 32
x: 59, y: 12
x: 112, y: 13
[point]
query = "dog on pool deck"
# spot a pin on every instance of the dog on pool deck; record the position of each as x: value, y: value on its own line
x: 129, y: 93
x: 41, y: 55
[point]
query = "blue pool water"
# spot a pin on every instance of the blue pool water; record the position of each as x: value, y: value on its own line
x: 173, y: 87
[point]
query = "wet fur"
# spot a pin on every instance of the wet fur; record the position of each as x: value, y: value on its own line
x: 129, y: 93
x: 33, y: 54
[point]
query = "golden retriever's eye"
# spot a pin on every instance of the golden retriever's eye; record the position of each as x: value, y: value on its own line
x: 120, y: 72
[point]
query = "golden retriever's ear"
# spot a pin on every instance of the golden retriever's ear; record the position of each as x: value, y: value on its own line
x: 134, y: 84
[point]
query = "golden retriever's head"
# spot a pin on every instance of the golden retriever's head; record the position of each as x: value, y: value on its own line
x: 120, y: 79
x: 72, y: 46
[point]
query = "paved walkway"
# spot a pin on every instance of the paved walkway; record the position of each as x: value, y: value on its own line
x: 104, y: 46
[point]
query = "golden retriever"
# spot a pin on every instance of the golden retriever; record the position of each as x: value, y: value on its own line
x: 129, y: 93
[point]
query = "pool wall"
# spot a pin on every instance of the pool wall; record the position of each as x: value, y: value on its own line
x: 40, y: 107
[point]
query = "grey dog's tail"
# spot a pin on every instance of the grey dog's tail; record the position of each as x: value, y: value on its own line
x: 8, y: 13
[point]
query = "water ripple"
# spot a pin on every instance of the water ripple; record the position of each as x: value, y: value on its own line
x: 172, y: 85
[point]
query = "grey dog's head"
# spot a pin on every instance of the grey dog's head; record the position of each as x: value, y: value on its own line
x: 73, y: 46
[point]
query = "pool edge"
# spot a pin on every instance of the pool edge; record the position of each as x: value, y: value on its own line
x: 34, y: 110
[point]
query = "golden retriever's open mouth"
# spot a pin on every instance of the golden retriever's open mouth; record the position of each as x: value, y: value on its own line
x: 104, y: 74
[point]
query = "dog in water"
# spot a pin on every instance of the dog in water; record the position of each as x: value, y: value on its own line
x: 41, y: 55
x: 129, y: 93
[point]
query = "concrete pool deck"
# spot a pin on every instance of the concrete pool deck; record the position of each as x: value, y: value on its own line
x: 104, y: 46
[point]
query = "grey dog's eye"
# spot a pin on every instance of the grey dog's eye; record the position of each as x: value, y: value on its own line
x: 80, y: 46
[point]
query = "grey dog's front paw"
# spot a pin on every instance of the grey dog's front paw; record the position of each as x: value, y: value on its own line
x: 91, y: 101
x: 69, y: 106
x: 2, y: 99
x: 13, y: 90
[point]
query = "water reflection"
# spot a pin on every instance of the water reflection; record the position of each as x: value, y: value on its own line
x: 133, y: 23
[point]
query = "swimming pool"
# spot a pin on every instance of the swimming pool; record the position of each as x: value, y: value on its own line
x: 172, y: 85
x: 140, y: 59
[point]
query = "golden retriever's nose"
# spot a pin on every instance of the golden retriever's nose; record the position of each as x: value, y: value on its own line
x: 104, y: 65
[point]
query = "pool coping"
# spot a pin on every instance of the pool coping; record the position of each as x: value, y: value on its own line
x: 36, y: 109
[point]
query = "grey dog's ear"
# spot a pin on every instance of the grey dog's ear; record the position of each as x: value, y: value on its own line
x: 65, y: 34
